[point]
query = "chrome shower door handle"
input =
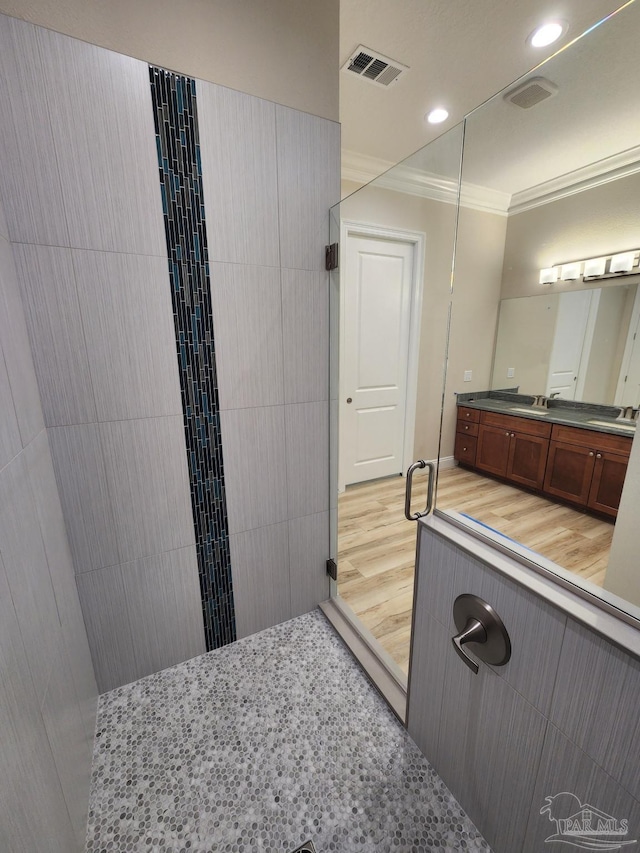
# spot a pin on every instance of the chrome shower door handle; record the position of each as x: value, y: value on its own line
x: 414, y: 516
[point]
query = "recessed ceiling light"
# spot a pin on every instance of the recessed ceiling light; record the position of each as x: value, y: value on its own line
x: 547, y: 33
x: 437, y: 115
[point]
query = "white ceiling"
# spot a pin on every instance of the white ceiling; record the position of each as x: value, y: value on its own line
x: 460, y: 53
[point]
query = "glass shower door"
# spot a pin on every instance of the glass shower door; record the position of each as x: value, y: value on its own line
x: 390, y: 302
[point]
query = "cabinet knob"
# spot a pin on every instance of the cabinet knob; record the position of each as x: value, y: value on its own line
x: 598, y: 455
x: 513, y: 435
x: 591, y: 453
x: 464, y: 449
x: 467, y: 426
x: 507, y: 433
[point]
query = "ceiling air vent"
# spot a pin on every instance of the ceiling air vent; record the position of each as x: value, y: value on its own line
x: 374, y: 66
x: 531, y: 92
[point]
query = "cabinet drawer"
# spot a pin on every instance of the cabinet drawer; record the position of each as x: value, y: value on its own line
x: 468, y: 429
x: 526, y: 425
x: 465, y: 448
x: 465, y: 415
x: 592, y: 439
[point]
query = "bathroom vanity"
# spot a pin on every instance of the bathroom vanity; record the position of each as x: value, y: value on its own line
x: 571, y: 454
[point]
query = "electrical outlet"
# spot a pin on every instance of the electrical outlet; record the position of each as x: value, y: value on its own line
x: 467, y: 375
x: 511, y: 372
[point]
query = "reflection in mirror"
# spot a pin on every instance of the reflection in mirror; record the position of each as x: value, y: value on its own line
x: 571, y: 345
x: 543, y: 383
x: 390, y: 301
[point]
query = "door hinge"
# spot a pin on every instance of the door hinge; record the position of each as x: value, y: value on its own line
x: 332, y: 569
x: 331, y: 257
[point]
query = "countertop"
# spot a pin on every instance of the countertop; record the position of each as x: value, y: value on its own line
x: 556, y: 414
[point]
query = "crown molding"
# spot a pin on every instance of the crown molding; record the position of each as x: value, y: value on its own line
x: 412, y: 181
x: 406, y: 179
x: 586, y: 178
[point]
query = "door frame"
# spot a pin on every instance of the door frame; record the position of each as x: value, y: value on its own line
x: 352, y: 228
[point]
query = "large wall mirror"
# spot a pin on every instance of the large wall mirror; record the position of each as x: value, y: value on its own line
x: 543, y: 384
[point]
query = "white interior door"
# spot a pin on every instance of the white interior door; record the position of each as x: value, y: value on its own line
x: 569, y: 343
x: 628, y: 389
x: 378, y: 281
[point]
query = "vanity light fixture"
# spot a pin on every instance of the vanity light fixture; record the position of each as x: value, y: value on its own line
x: 610, y: 266
x: 570, y: 272
x: 623, y: 262
x: 595, y: 266
x: 548, y: 275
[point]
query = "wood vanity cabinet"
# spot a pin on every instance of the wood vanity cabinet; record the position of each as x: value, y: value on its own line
x: 466, y: 435
x: 581, y: 466
x: 514, y: 448
x: 587, y: 467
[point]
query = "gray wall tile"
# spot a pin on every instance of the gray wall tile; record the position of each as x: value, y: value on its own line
x: 431, y: 643
x: 30, y: 185
x: 104, y: 605
x: 162, y: 595
x: 27, y: 572
x: 596, y: 703
x: 490, y: 742
x: 125, y: 301
x: 308, y: 553
x: 566, y: 770
x: 71, y: 747
x: 247, y: 322
x: 56, y: 546
x: 307, y: 430
x: 305, y: 320
x: 10, y: 443
x: 110, y: 155
x: 34, y: 813
x: 4, y: 229
x: 17, y: 351
x: 308, y: 185
x: 260, y: 571
x: 47, y: 283
x: 238, y: 149
x: 146, y: 466
x: 535, y: 628
x: 253, y: 444
x: 86, y: 504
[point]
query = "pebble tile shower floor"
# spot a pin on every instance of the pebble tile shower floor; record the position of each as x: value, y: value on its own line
x: 260, y: 746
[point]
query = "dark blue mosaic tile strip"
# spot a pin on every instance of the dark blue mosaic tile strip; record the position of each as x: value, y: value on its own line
x: 180, y: 170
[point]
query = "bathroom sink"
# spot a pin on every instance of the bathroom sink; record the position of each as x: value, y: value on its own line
x: 530, y: 410
x: 616, y: 424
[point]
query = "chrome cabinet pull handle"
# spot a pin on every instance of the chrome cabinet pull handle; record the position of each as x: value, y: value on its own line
x: 407, y: 494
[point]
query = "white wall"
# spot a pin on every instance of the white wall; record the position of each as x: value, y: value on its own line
x: 599, y: 221
x: 282, y: 50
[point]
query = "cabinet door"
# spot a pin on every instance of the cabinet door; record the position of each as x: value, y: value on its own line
x: 569, y: 471
x: 492, y: 453
x: 608, y: 479
x: 527, y: 459
x: 465, y: 448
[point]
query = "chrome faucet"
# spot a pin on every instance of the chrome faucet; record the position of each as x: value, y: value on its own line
x: 539, y: 401
x: 554, y: 395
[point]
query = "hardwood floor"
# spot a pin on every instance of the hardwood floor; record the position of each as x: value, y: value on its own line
x: 376, y: 545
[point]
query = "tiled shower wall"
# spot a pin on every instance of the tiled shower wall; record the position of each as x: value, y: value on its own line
x: 48, y: 692
x: 560, y: 717
x: 79, y: 180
